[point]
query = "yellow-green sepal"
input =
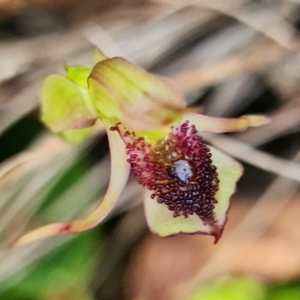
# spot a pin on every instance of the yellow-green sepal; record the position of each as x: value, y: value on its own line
x: 64, y: 106
x: 118, y: 178
x: 78, y: 74
x: 76, y: 136
x: 102, y: 100
x: 142, y: 101
x: 218, y: 125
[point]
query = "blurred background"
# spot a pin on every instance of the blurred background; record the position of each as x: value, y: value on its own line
x: 230, y: 58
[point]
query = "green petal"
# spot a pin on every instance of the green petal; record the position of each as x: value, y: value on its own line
x: 118, y: 179
x: 161, y: 221
x: 145, y: 101
x: 78, y: 74
x: 218, y: 125
x: 63, y: 106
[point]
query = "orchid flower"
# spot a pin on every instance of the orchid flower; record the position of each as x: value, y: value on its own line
x: 187, y: 185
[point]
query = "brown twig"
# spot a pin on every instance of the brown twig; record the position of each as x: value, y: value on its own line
x: 251, y: 60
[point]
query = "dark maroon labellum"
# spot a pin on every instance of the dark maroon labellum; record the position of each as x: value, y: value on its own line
x: 178, y: 169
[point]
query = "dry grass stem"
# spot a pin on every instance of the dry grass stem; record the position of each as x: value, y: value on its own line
x: 255, y: 59
x: 255, y: 157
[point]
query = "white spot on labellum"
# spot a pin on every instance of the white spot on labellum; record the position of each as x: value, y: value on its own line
x: 182, y: 170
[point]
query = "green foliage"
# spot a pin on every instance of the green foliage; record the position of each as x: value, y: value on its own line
x: 231, y: 289
x: 246, y: 288
x: 19, y: 136
x: 65, y: 181
x: 289, y: 291
x: 67, y: 270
